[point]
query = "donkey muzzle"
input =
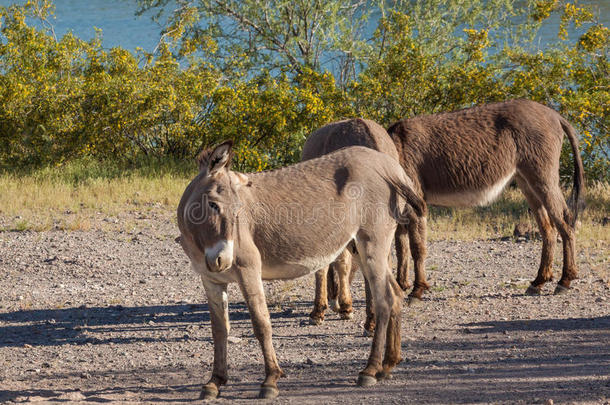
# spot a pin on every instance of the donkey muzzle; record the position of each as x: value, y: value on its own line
x: 219, y: 257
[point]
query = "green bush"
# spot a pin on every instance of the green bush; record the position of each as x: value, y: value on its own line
x: 65, y: 99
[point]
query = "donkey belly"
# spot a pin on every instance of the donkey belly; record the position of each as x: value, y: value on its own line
x: 300, y: 265
x: 469, y: 196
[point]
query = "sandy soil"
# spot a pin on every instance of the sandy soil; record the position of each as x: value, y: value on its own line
x: 116, y: 316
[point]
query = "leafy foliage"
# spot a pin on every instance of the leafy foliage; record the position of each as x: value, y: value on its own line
x: 268, y: 73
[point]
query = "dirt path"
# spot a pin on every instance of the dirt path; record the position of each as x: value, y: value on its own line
x: 109, y: 316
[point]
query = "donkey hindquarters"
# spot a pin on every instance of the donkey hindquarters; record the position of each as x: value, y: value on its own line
x: 465, y: 158
x: 328, y: 139
x: 234, y: 229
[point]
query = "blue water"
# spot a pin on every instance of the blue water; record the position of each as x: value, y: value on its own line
x: 116, y: 18
x: 122, y: 28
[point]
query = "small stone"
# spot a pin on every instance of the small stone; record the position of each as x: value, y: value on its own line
x: 548, y: 402
x: 234, y: 339
x: 309, y: 361
x: 32, y: 398
x: 72, y: 396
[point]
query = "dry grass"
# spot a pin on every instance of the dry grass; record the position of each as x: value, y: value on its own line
x: 38, y: 204
x: 28, y: 203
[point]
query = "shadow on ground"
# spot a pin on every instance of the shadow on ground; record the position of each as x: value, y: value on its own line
x: 51, y: 327
x: 560, y: 359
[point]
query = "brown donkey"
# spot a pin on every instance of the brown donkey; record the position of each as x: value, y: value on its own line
x: 466, y: 158
x: 288, y: 223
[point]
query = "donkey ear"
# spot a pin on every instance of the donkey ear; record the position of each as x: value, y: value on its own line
x: 214, y: 159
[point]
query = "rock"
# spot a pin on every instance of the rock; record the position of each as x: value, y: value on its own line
x: 525, y: 230
x: 309, y: 361
x: 548, y: 402
x: 32, y: 398
x: 606, y: 221
x: 234, y: 339
x: 72, y: 396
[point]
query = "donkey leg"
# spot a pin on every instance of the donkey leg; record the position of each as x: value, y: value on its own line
x: 320, y: 302
x: 370, y: 322
x: 552, y: 198
x: 333, y: 288
x: 392, y: 350
x: 548, y: 234
x: 252, y: 288
x: 374, y: 268
x: 219, y: 316
x: 401, y: 240
x: 417, y: 240
x: 343, y: 266
x: 562, y: 217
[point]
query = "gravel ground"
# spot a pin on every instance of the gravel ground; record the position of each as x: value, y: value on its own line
x: 116, y: 316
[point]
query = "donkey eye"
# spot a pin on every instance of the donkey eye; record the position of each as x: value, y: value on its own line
x: 214, y: 206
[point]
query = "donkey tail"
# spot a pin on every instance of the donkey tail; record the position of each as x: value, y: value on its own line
x: 403, y: 186
x: 575, y: 200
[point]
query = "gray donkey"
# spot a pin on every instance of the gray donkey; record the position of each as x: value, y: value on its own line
x: 329, y: 138
x: 466, y: 158
x: 288, y: 223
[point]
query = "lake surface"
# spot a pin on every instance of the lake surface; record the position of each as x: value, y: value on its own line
x: 121, y: 27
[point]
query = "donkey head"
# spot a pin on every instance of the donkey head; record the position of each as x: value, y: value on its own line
x: 217, y: 205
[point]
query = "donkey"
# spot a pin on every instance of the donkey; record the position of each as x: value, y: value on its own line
x: 466, y: 158
x: 288, y: 223
x: 330, y: 138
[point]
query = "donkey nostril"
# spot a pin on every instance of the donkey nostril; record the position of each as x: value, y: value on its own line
x: 218, y: 261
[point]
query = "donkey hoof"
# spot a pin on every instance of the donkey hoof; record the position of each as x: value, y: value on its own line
x: 334, y: 305
x: 413, y: 301
x: 561, y: 290
x: 209, y: 392
x: 383, y: 375
x: 365, y: 380
x: 268, y: 392
x: 533, y: 290
x: 315, y: 320
x: 346, y: 315
x: 369, y: 330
